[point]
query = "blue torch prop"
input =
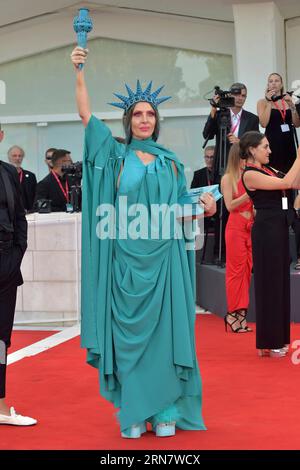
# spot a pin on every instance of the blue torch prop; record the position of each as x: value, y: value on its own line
x: 82, y: 25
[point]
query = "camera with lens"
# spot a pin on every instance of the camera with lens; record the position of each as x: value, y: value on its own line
x: 226, y: 100
x: 73, y: 173
x: 73, y: 170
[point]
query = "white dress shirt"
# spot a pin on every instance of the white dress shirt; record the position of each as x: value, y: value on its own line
x: 235, y: 122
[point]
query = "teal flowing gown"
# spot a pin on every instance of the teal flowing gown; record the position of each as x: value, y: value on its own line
x: 138, y: 307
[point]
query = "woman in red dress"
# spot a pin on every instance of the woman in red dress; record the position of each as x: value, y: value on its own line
x: 238, y: 243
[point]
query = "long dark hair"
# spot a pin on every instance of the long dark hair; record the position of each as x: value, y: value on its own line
x: 250, y: 139
x: 127, y: 124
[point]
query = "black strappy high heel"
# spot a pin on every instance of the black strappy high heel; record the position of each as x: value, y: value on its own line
x: 241, y: 314
x: 236, y: 321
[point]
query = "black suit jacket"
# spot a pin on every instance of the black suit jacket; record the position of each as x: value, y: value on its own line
x: 20, y: 222
x: 28, y: 189
x: 48, y: 188
x: 249, y: 122
x: 201, y: 178
x: 10, y: 273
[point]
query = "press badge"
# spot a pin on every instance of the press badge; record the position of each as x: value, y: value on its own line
x: 285, y: 128
x: 284, y: 203
x: 69, y: 207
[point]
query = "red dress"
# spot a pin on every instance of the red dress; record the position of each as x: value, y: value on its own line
x: 238, y: 254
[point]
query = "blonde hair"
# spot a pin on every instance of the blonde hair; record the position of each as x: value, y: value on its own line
x: 233, y: 166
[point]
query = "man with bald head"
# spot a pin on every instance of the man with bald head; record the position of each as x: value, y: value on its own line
x: 27, y: 179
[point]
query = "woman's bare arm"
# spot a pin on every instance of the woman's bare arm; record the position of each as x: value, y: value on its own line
x: 255, y: 180
x: 264, y: 109
x: 79, y: 56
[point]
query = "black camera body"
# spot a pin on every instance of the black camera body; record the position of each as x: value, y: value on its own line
x: 73, y: 173
x: 74, y: 170
x: 226, y: 100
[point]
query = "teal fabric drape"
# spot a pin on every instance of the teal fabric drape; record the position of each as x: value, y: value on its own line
x: 138, y: 307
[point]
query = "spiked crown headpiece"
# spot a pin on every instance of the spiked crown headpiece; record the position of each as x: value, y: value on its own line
x: 139, y: 95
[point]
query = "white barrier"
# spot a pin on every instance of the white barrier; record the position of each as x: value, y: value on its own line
x: 51, y: 271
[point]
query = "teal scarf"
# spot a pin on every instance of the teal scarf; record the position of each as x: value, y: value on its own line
x: 150, y: 146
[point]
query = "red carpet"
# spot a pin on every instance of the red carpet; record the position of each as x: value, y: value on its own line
x: 249, y: 402
x: 21, y: 339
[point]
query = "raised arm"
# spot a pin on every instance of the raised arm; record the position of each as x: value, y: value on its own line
x: 295, y: 115
x: 264, y: 108
x: 79, y: 56
x: 211, y: 128
x: 255, y: 180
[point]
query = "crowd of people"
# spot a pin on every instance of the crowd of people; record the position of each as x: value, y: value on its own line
x: 140, y: 336
x: 53, y: 188
x: 261, y: 209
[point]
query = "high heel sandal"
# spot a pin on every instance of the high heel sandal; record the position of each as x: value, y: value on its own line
x: 135, y: 431
x: 241, y: 314
x: 165, y: 429
x: 237, y: 328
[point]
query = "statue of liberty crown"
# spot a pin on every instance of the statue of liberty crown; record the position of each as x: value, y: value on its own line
x: 139, y: 95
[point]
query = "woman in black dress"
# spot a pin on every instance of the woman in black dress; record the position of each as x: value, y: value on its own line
x: 270, y: 243
x: 279, y: 116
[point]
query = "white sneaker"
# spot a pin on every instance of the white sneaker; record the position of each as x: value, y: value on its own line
x: 16, y: 420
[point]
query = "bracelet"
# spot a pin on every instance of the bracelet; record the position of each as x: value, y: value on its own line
x: 267, y: 99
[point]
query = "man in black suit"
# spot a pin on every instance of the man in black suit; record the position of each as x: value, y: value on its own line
x: 13, y: 244
x: 27, y: 179
x: 238, y: 122
x: 205, y: 176
x: 55, y: 186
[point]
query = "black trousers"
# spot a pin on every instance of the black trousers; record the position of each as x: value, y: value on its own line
x: 271, y: 263
x: 7, y: 312
x: 10, y: 278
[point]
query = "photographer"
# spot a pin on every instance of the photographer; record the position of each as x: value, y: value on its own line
x: 279, y: 116
x: 237, y: 122
x: 55, y: 186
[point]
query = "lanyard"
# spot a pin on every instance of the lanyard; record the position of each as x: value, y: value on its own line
x: 263, y: 168
x: 21, y: 176
x: 234, y: 127
x: 282, y: 111
x: 269, y: 172
x: 65, y: 191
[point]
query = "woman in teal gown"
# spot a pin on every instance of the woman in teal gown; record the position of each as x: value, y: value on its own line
x: 138, y: 307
